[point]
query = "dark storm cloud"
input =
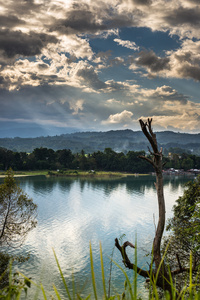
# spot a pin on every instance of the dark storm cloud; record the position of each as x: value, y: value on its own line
x: 47, y: 79
x: 18, y: 43
x: 195, y: 1
x: 10, y: 21
x: 90, y: 77
x: 167, y: 93
x: 22, y: 7
x: 151, y: 61
x: 1, y: 80
x: 186, y: 56
x: 184, y: 16
x: 43, y: 66
x: 142, y: 2
x: 123, y: 20
x: 78, y: 21
x: 188, y: 71
x: 82, y: 18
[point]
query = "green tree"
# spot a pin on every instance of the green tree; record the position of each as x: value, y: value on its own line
x: 187, y: 163
x: 17, y: 213
x: 65, y: 158
x: 184, y: 227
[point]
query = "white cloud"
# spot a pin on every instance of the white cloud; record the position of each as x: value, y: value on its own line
x: 185, y: 121
x: 76, y: 106
x: 127, y: 44
x: 112, y: 101
x: 123, y: 117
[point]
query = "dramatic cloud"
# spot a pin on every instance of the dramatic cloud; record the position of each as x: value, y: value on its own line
x: 100, y: 64
x: 181, y: 16
x: 165, y: 93
x: 152, y: 62
x: 14, y: 43
x: 79, y: 21
x: 10, y: 21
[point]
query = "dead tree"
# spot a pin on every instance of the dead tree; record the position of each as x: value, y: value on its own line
x: 157, y: 163
x: 160, y: 272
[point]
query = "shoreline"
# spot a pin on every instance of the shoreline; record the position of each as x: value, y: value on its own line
x: 75, y: 174
x: 3, y: 176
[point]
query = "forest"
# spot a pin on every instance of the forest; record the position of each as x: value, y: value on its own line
x: 107, y: 160
x: 118, y: 140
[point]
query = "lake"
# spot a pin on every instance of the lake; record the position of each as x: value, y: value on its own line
x: 74, y: 212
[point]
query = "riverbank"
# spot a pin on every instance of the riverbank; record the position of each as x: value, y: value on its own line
x: 26, y: 173
x: 72, y: 173
x: 91, y: 173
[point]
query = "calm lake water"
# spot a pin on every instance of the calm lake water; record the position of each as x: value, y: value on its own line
x: 73, y: 212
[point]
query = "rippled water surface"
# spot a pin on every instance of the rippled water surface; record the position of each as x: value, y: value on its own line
x: 73, y: 212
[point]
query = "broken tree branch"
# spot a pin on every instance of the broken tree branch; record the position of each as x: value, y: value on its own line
x: 126, y: 260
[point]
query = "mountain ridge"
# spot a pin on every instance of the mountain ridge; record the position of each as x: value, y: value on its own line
x: 90, y: 141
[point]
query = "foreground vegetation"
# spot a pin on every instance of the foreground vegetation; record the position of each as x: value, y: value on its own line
x: 19, y: 286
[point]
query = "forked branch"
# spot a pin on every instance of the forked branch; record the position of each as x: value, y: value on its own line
x: 126, y: 260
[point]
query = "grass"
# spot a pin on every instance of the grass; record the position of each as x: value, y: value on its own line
x: 91, y: 173
x: 19, y: 284
x: 72, y: 173
x: 26, y: 173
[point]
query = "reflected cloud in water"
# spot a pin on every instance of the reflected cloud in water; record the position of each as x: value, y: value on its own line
x: 72, y: 212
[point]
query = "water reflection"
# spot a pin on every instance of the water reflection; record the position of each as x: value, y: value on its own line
x: 72, y: 212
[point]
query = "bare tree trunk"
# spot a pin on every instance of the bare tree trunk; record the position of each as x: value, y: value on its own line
x: 161, y: 220
x: 156, y: 161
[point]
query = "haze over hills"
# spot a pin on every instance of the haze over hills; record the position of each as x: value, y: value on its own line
x: 118, y: 140
x: 12, y: 129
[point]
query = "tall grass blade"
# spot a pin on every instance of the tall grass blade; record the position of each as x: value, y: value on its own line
x: 151, y: 275
x: 135, y: 273
x: 102, y: 272
x: 161, y: 263
x: 173, y: 285
x: 19, y: 295
x: 109, y: 281
x: 92, y: 272
x: 191, y: 285
x: 61, y: 274
x: 127, y: 279
x: 56, y: 292
x: 43, y: 292
x: 73, y: 286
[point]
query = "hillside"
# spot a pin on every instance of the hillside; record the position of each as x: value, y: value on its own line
x: 118, y: 140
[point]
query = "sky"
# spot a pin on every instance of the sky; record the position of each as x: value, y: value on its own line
x: 85, y: 65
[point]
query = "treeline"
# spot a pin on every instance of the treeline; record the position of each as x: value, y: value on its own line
x: 107, y: 160
x: 183, y: 161
x: 48, y: 159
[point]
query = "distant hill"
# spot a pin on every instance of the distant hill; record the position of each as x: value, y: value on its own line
x: 118, y: 140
